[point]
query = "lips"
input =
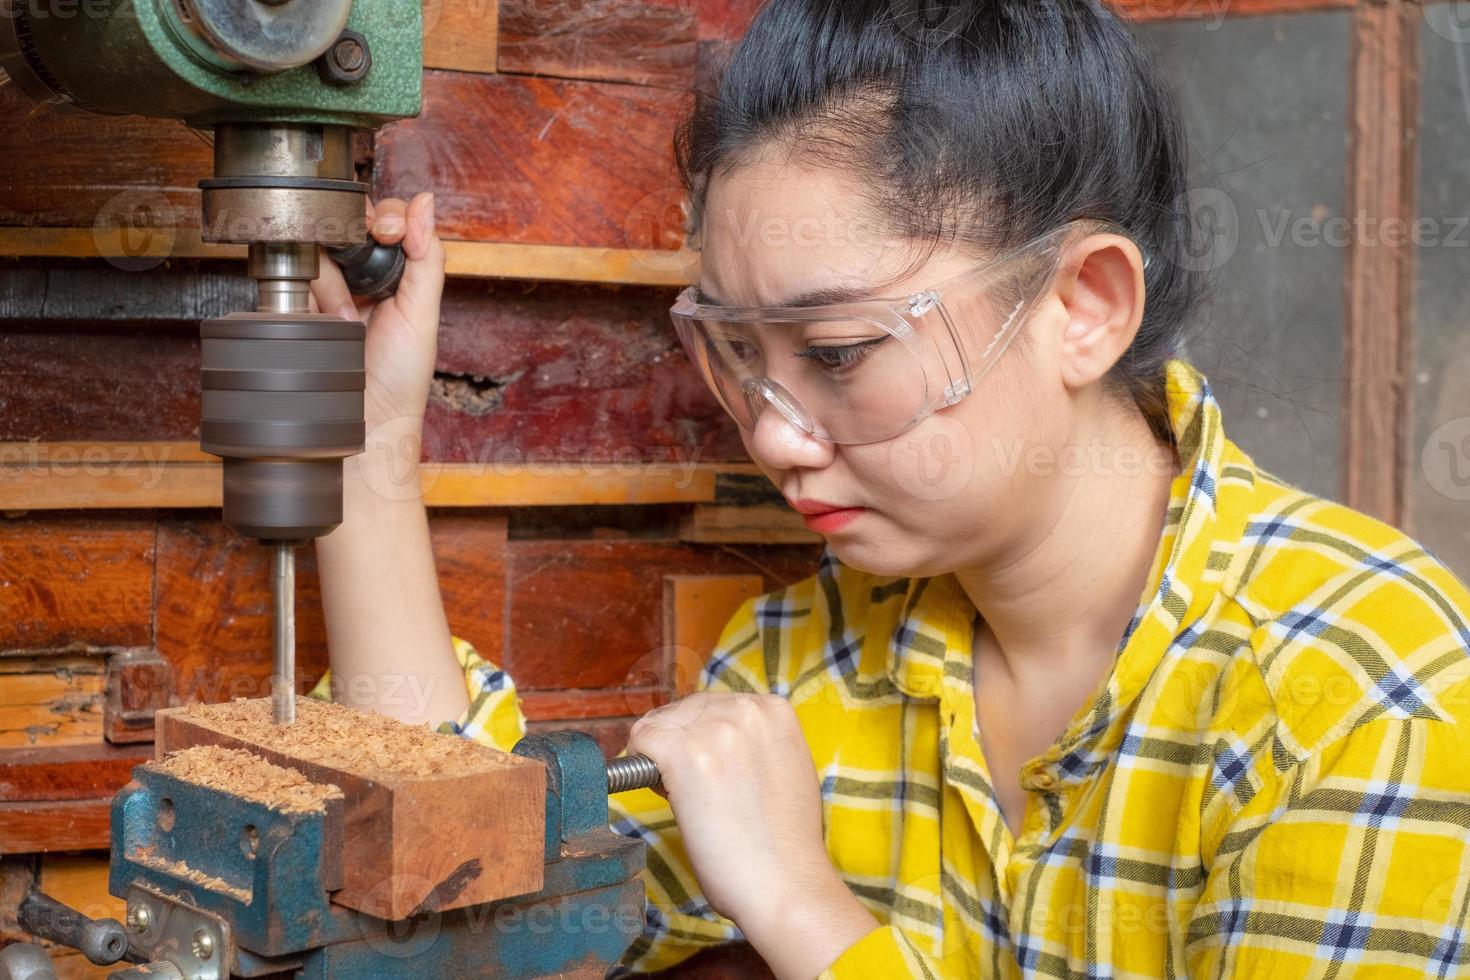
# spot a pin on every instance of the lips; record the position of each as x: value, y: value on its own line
x: 825, y: 518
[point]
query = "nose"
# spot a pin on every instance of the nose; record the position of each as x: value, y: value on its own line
x: 777, y: 441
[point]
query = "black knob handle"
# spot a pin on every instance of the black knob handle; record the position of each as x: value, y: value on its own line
x: 372, y: 270
x: 102, y: 941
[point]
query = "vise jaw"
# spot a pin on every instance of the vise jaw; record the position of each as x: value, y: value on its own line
x: 219, y: 886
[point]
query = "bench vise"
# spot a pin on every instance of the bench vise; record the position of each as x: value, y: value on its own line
x: 219, y: 886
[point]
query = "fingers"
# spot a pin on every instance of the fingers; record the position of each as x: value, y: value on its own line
x: 389, y: 220
x: 423, y: 275
x: 393, y: 221
x: 330, y: 291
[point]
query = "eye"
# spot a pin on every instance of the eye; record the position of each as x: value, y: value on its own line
x: 837, y: 357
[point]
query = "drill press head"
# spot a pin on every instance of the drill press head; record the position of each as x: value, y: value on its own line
x: 283, y: 84
x: 283, y: 387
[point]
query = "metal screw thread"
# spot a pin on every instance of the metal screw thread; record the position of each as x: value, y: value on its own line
x: 631, y: 772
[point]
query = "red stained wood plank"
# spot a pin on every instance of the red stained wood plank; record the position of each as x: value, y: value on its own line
x: 67, y: 386
x: 611, y: 733
x: 645, y: 42
x: 725, y: 20
x: 56, y: 176
x: 70, y: 825
x: 586, y: 614
x: 516, y: 159
x: 1214, y: 10
x: 214, y: 608
x: 73, y: 772
x: 563, y: 705
x: 214, y: 612
x: 569, y: 373
x: 528, y: 373
x: 70, y: 580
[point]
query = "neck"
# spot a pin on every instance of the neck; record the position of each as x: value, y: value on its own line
x: 1063, y: 592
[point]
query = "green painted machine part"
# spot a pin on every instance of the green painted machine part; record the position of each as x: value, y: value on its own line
x: 219, y: 61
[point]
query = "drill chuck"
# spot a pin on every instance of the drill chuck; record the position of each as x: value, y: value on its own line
x: 283, y: 404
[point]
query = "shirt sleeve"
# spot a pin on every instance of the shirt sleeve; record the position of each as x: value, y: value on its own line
x: 1355, y: 864
x: 494, y: 716
x: 678, y: 922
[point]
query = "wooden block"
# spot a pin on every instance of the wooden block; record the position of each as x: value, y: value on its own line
x: 527, y: 374
x: 75, y: 772
x: 714, y: 524
x: 63, y: 825
x: 74, y: 581
x: 432, y: 822
x: 611, y: 733
x: 17, y: 880
x: 50, y: 701
x: 130, y: 486
x: 214, y: 603
x: 500, y: 260
x: 696, y: 609
x: 531, y: 375
x: 643, y: 42
x: 1214, y: 10
x: 55, y: 176
x: 80, y: 881
x: 585, y: 614
x: 139, y: 682
x: 726, y: 20
x: 461, y: 35
x: 567, y: 705
x: 214, y: 612
x: 62, y: 386
x: 537, y: 161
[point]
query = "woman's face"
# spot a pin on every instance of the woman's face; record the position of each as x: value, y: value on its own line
x: 964, y: 486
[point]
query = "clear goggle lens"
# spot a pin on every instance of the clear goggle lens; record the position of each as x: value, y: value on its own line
x: 867, y: 371
x: 843, y: 381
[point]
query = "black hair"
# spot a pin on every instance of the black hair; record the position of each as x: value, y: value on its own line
x: 976, y: 123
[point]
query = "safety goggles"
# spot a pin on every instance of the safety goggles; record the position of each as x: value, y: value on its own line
x: 867, y: 371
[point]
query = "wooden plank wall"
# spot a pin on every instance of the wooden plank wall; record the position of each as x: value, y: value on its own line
x: 593, y: 517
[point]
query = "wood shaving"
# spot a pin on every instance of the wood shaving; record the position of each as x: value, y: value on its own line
x: 150, y: 858
x: 344, y: 738
x: 247, y: 775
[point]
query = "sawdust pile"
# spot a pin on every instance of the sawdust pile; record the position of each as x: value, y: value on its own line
x: 344, y: 738
x: 247, y: 775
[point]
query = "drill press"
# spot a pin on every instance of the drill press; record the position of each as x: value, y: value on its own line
x: 282, y: 84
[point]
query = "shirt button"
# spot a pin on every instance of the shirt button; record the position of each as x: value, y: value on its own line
x: 1045, y: 779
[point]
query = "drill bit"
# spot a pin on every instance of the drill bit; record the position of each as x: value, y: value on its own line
x: 283, y: 596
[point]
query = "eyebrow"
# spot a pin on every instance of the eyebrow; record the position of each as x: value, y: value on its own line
x: 813, y: 297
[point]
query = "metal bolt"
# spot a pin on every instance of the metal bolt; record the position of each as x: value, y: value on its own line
x: 139, y: 917
x: 203, y: 944
x: 347, y: 62
x: 349, y: 54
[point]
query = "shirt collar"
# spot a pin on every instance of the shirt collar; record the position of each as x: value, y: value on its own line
x: 931, y: 643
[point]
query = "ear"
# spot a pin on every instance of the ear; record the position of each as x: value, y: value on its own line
x: 1100, y: 286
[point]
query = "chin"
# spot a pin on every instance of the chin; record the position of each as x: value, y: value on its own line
x: 884, y: 558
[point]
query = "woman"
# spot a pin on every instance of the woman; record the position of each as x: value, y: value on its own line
x: 1078, y: 688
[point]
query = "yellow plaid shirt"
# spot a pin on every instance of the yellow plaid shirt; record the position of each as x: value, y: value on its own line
x: 1274, y: 780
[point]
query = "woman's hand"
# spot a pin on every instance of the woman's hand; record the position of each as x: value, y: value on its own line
x: 402, y: 330
x: 738, y: 775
